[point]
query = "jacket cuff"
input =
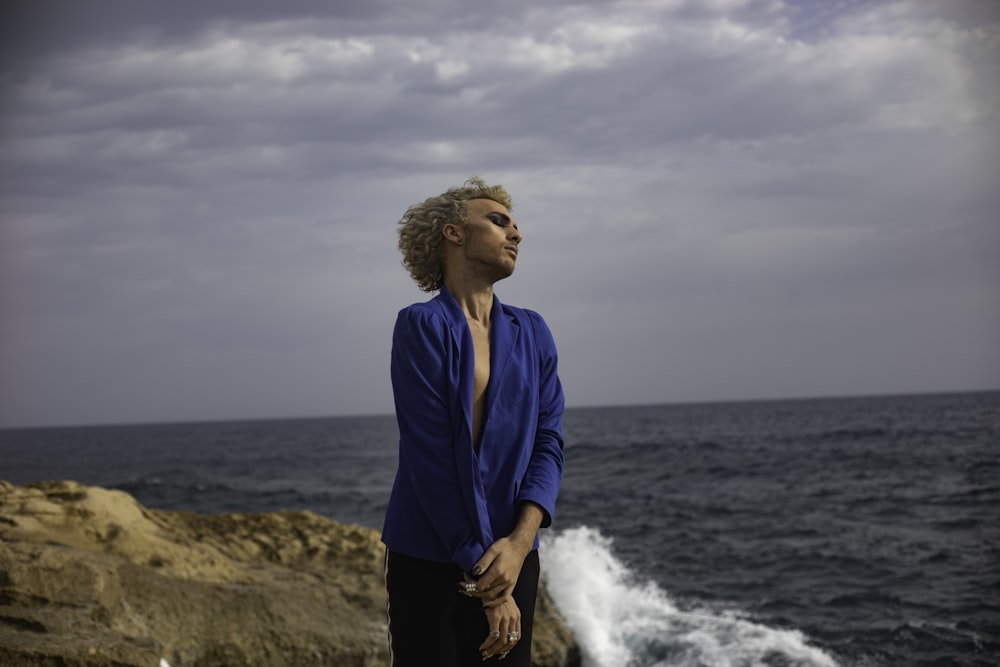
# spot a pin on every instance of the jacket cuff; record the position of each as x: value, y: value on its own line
x: 543, y: 504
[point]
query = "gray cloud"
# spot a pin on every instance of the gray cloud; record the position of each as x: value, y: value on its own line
x: 723, y: 200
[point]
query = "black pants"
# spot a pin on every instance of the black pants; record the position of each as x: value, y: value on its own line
x: 432, y: 623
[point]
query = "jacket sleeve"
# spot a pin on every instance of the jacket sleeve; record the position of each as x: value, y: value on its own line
x: 424, y: 378
x: 544, y: 474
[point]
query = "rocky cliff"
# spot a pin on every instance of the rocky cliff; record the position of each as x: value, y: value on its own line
x: 88, y: 577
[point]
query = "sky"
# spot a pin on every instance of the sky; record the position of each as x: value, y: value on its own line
x: 720, y: 199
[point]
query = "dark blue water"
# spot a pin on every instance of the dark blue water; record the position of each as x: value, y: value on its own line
x: 819, y: 532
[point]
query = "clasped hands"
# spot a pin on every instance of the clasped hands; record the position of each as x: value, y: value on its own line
x: 492, y: 580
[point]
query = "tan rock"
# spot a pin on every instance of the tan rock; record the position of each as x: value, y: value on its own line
x: 88, y: 577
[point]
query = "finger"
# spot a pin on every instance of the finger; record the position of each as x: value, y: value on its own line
x: 494, y: 640
x: 496, y: 578
x: 484, y: 563
x: 491, y: 582
x: 488, y: 597
x: 468, y: 591
x: 468, y: 587
x: 496, y: 599
x: 485, y: 588
x: 494, y: 645
x: 512, y: 637
x: 477, y: 589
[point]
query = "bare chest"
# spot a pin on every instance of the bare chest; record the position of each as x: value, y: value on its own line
x: 481, y: 377
x: 481, y: 345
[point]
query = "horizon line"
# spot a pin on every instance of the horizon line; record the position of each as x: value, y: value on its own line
x: 372, y: 415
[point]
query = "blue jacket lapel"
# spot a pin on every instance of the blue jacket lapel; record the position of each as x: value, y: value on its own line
x: 462, y: 337
x: 504, y: 335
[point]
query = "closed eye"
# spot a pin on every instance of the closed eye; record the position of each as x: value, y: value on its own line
x: 500, y: 220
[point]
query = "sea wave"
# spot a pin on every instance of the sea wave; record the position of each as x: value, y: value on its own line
x: 620, y: 620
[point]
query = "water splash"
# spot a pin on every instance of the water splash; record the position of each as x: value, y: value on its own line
x: 619, y: 622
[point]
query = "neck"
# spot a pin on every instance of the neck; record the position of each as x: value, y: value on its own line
x: 475, y: 300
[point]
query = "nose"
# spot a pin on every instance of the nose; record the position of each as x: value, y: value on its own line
x: 515, y: 235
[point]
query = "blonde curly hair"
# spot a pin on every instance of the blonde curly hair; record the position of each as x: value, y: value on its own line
x: 420, y: 238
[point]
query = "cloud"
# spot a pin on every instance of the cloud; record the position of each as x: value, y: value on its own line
x: 732, y: 199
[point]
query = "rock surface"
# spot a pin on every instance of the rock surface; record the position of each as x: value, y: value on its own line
x: 88, y: 577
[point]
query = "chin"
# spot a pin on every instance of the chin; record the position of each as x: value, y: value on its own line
x: 503, y: 274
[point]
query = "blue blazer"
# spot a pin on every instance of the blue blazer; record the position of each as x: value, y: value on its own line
x: 448, y: 502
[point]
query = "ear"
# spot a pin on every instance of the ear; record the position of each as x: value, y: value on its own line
x: 452, y: 233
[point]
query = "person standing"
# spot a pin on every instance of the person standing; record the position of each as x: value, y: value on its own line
x: 479, y: 407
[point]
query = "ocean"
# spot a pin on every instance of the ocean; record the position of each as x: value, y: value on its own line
x: 848, y: 532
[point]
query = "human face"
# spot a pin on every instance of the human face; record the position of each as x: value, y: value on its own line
x: 491, y: 238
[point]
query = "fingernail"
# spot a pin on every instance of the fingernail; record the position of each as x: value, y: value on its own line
x: 476, y: 571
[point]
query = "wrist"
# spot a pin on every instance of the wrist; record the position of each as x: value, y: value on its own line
x: 523, y: 539
x: 529, y: 522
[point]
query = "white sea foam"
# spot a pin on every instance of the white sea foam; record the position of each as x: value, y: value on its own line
x: 619, y: 622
